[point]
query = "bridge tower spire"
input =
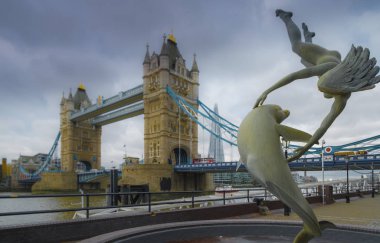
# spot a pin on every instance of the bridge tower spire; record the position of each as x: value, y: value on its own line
x: 80, y: 141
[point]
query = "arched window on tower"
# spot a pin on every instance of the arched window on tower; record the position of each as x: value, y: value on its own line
x: 158, y: 149
x: 151, y: 150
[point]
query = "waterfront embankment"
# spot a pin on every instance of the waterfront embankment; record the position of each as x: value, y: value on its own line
x: 363, y: 211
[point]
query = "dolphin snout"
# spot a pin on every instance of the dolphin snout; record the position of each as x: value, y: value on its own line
x: 287, y: 113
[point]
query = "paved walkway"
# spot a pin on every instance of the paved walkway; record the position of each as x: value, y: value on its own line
x: 360, y: 211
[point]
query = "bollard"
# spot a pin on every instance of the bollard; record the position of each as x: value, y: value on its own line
x: 149, y: 203
x: 87, y: 206
x: 192, y: 200
x: 287, y: 210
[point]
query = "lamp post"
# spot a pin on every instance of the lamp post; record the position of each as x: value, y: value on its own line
x: 125, y: 153
x: 285, y: 144
x: 373, y: 183
x: 348, y: 188
x: 323, y: 174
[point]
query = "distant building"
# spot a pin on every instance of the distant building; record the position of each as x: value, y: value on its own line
x: 132, y: 160
x: 303, y: 179
x: 33, y: 163
x: 215, y: 149
x: 376, y: 179
x: 309, y: 179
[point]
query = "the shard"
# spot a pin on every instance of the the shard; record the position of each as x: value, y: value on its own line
x: 215, y: 149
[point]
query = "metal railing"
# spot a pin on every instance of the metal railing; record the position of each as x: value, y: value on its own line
x: 250, y: 196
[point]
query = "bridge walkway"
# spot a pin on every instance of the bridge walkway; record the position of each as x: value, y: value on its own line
x: 360, y: 211
x: 115, y: 102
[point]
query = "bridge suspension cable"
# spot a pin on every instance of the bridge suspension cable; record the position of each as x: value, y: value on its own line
x: 46, y: 162
x: 229, y: 130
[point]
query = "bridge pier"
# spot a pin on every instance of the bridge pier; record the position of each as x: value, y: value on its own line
x: 54, y: 181
x: 161, y: 177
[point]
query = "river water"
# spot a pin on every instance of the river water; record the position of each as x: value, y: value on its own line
x: 45, y: 203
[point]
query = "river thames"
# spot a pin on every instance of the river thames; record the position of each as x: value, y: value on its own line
x: 48, y: 203
x: 44, y: 203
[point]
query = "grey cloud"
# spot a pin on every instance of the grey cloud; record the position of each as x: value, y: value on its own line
x: 48, y: 47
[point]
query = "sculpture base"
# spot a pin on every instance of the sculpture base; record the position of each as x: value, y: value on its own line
x: 239, y: 230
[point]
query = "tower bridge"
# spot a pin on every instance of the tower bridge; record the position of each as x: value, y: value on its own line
x: 169, y: 136
x: 169, y: 101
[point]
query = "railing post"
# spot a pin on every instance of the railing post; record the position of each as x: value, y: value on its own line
x: 149, y: 202
x: 248, y: 195
x: 348, y: 182
x: 224, y: 197
x: 265, y: 194
x: 192, y: 200
x: 87, y: 206
x: 373, y: 183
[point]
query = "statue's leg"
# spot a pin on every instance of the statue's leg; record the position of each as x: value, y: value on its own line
x: 308, y: 39
x: 294, y: 32
x: 307, y: 34
x: 309, y: 52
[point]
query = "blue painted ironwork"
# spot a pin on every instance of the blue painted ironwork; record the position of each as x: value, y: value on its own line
x: 88, y: 176
x: 206, y: 108
x: 366, y: 144
x: 359, y: 162
x: 134, y: 95
x: 36, y: 174
x: 196, y: 114
x: 363, y: 144
x: 129, y: 111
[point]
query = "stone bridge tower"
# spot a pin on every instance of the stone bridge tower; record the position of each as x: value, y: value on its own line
x: 80, y: 146
x: 80, y: 141
x: 170, y: 137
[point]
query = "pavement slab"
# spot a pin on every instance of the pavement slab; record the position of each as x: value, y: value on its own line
x: 363, y: 212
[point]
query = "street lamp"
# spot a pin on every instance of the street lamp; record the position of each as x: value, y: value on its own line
x: 323, y: 174
x: 125, y: 153
x: 348, y: 188
x: 373, y: 183
x: 285, y: 144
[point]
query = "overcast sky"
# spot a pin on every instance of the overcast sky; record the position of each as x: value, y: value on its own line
x: 49, y: 47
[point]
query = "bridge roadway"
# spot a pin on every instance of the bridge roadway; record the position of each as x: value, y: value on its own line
x: 357, y: 162
x: 84, y: 177
x: 113, y: 103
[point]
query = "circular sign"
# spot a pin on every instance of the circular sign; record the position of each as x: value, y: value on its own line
x: 328, y: 150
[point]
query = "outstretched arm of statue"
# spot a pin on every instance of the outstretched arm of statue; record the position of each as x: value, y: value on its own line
x: 308, y: 72
x: 336, y: 108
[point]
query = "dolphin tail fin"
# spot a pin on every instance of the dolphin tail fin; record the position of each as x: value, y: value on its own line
x: 326, y: 224
x: 305, y: 235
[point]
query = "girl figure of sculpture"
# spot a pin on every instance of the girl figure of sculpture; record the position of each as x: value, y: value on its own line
x: 337, y: 79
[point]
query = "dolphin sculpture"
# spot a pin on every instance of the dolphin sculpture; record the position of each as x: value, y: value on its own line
x: 260, y: 150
